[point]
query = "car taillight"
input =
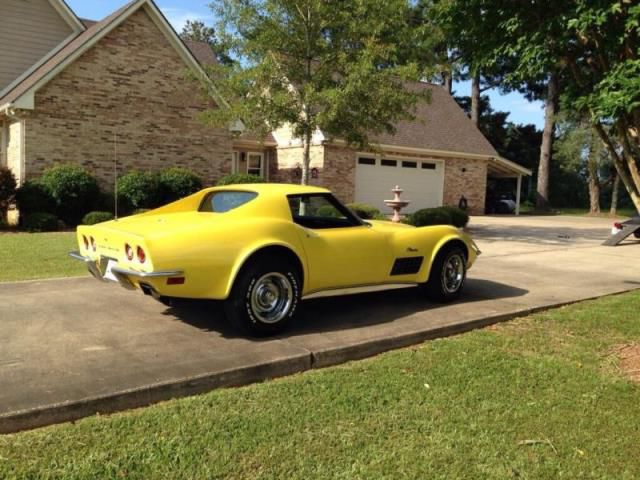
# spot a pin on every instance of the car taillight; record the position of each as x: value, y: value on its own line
x: 618, y: 225
x: 93, y: 243
x: 85, y: 240
x: 128, y: 250
x: 141, y: 255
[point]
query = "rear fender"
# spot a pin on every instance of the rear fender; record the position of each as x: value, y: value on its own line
x: 247, y: 253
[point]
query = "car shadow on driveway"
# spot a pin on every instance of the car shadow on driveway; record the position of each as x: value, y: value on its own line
x: 343, y: 312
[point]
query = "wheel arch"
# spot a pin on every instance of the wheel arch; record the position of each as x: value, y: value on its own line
x: 442, y: 246
x: 272, y: 250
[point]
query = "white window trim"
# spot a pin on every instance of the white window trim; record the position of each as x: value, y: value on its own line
x: 235, y: 162
x: 261, y: 155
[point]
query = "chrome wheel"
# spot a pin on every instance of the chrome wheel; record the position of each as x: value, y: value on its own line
x: 453, y: 273
x: 271, y: 297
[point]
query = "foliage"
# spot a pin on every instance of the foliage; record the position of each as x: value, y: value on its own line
x: 32, y: 197
x: 550, y: 378
x: 7, y: 190
x: 459, y: 218
x: 197, y: 31
x: 366, y: 211
x: 178, y: 183
x: 430, y: 216
x: 74, y: 192
x: 313, y: 66
x: 139, y: 189
x: 592, y: 47
x: 238, y: 178
x: 92, y: 218
x: 40, y: 222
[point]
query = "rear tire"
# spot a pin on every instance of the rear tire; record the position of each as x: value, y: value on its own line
x: 264, y: 297
x: 447, y: 276
x: 637, y: 234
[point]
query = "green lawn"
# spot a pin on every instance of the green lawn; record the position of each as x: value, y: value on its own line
x: 538, y: 397
x: 25, y: 256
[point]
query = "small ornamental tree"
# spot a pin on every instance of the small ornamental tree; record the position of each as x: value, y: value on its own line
x: 316, y: 66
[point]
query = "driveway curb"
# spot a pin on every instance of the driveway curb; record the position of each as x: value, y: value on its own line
x: 150, y: 394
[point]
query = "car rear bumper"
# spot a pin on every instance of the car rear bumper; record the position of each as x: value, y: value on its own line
x: 125, y: 277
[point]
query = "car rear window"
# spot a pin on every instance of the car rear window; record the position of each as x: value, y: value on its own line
x: 221, y: 202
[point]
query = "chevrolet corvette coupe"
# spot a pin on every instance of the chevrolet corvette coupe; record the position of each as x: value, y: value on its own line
x: 262, y: 248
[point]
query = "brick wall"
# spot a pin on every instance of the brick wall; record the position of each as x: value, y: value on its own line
x: 131, y: 83
x: 468, y: 178
x: 339, y: 172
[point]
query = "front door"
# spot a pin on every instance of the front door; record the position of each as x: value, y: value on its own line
x: 342, y: 251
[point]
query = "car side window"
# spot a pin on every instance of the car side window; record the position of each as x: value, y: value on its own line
x: 318, y: 211
x: 221, y: 202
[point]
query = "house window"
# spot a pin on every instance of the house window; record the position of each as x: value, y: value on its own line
x: 409, y: 164
x: 428, y: 166
x: 252, y: 163
x: 366, y: 161
x: 255, y: 164
x: 388, y: 163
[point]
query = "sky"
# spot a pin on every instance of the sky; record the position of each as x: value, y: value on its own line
x: 179, y: 11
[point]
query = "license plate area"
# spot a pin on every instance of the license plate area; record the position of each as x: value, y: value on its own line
x: 108, y: 273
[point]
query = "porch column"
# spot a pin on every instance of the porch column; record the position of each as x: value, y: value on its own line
x: 518, y: 191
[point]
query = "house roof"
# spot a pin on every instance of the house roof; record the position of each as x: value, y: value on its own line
x: 89, y: 37
x: 202, y: 51
x: 438, y: 125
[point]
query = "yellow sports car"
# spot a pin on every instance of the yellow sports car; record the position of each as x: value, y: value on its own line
x: 263, y: 247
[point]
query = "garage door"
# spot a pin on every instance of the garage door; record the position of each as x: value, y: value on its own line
x: 421, y: 180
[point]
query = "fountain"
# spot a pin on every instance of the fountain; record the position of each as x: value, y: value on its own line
x: 396, y: 204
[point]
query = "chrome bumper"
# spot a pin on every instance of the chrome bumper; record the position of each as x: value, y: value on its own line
x: 122, y: 274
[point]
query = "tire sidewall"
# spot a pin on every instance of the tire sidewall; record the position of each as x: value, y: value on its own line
x: 238, y: 306
x: 435, y: 286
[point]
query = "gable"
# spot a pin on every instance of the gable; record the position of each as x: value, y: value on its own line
x: 31, y: 29
x: 22, y: 95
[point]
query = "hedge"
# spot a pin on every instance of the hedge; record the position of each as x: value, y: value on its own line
x: 7, y: 190
x: 366, y: 211
x: 92, y: 218
x: 74, y: 192
x: 177, y: 183
x: 40, y: 222
x: 138, y: 189
x: 238, y: 178
x: 439, y: 216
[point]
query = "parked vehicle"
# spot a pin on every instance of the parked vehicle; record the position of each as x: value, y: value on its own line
x: 261, y: 248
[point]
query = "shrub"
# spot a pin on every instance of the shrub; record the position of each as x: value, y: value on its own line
x: 74, y: 191
x: 430, y: 216
x: 140, y: 211
x: 178, y: 183
x: 236, y: 178
x: 40, y: 222
x: 459, y: 218
x: 366, y: 212
x: 7, y: 190
x: 32, y: 197
x: 139, y: 190
x: 92, y: 218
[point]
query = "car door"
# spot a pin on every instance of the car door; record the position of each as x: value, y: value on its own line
x: 341, y: 250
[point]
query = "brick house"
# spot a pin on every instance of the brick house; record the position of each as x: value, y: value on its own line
x: 78, y: 91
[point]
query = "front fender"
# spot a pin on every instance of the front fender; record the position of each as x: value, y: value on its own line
x: 452, y: 236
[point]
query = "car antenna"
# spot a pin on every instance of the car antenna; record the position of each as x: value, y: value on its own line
x: 115, y: 175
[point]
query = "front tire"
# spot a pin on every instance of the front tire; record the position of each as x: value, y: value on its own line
x: 447, y: 276
x: 264, y: 297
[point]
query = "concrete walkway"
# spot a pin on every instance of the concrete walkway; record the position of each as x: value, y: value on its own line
x: 70, y: 348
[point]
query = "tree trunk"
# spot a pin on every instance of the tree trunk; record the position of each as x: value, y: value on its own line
x: 447, y: 82
x: 594, y: 189
x: 542, y: 197
x: 614, y: 195
x: 475, y: 98
x: 306, y: 161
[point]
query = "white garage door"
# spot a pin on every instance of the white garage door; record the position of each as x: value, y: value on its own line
x: 421, y: 180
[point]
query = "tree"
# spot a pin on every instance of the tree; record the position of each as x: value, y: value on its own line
x: 310, y: 65
x: 593, y: 50
x: 579, y: 148
x: 197, y: 31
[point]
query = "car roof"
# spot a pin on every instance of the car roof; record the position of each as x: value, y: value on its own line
x: 274, y: 188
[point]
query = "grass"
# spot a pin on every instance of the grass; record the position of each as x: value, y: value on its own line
x: 25, y: 256
x: 538, y: 397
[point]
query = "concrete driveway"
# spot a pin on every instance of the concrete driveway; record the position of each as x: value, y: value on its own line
x: 72, y: 347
